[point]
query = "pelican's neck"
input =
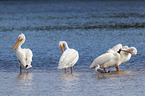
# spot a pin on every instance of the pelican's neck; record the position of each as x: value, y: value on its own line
x: 20, y: 44
x: 18, y: 47
x: 124, y: 56
x: 66, y: 45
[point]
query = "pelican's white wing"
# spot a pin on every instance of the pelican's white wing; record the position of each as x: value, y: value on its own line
x: 24, y: 57
x: 106, y: 60
x: 117, y: 47
x: 68, y: 58
x: 29, y: 56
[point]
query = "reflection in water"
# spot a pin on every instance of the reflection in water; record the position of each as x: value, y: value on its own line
x: 25, y: 76
x: 100, y: 75
x: 112, y: 74
x: 69, y: 77
x: 120, y: 73
x: 25, y: 83
x: 68, y: 83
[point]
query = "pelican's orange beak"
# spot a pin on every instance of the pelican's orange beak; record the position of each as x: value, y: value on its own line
x: 62, y: 48
x: 17, y: 43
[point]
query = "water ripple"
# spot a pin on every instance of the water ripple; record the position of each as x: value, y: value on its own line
x: 85, y: 26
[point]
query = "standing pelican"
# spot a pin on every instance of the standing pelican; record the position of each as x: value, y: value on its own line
x: 68, y: 58
x: 117, y: 48
x: 106, y: 60
x: 124, y: 51
x: 24, y: 56
x: 114, y: 59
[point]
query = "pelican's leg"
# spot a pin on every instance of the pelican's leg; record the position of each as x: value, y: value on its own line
x: 65, y: 70
x: 20, y: 69
x: 27, y: 69
x: 71, y: 70
x: 117, y: 68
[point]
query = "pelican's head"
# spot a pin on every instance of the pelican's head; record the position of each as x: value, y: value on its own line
x: 131, y: 50
x: 20, y: 41
x: 63, y: 44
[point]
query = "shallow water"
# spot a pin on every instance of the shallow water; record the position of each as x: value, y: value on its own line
x: 80, y: 83
x: 91, y: 27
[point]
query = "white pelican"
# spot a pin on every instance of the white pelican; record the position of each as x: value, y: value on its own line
x: 106, y: 60
x: 24, y: 56
x: 126, y: 55
x: 114, y: 59
x: 68, y: 58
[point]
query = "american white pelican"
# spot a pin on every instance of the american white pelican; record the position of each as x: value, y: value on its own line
x: 114, y: 59
x: 24, y: 56
x: 68, y: 58
x: 106, y: 60
x: 124, y: 51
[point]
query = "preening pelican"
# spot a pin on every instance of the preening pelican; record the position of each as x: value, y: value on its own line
x: 114, y: 57
x: 106, y: 60
x: 68, y: 58
x: 125, y: 53
x: 24, y: 56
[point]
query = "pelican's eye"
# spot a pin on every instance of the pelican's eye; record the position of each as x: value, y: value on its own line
x: 59, y: 45
x: 19, y: 38
x: 63, y: 45
x: 119, y: 51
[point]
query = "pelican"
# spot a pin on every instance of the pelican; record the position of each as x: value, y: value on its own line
x: 68, y: 58
x: 106, y: 60
x: 24, y: 56
x: 126, y: 53
x: 113, y: 58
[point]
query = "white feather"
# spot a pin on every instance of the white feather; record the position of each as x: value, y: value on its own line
x: 112, y: 58
x: 106, y: 60
x: 68, y: 58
